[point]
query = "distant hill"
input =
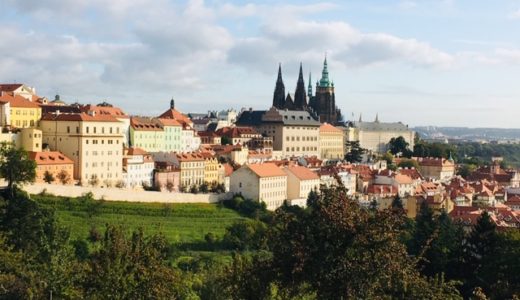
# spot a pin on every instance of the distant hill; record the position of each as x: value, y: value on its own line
x: 469, y: 134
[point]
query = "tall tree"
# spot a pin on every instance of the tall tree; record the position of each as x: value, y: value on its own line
x: 355, y: 152
x: 15, y: 166
x: 399, y: 145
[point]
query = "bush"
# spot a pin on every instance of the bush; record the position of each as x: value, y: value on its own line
x: 48, y: 177
x: 246, y: 235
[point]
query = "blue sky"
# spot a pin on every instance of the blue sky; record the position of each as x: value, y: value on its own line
x: 446, y: 62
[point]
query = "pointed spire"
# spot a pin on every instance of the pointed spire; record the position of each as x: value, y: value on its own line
x: 324, y: 81
x: 172, y: 104
x: 377, y: 118
x: 309, y: 87
x: 300, y: 99
x: 360, y: 120
x: 279, y: 90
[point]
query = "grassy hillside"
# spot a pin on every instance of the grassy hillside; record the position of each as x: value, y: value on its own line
x: 180, y: 223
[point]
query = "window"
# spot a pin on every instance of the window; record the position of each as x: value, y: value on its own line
x: 87, y: 129
x: 95, y: 129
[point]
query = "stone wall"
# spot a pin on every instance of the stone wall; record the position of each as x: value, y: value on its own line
x: 116, y: 194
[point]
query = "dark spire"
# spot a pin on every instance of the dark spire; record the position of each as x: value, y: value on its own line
x: 279, y: 90
x: 309, y: 88
x: 172, y: 104
x: 300, y: 99
x: 289, y: 104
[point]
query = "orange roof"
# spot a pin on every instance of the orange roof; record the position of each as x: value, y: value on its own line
x: 326, y: 127
x: 403, y: 179
x: 302, y: 173
x: 17, y: 101
x: 169, y: 122
x: 104, y: 110
x: 80, y: 117
x: 49, y: 158
x: 266, y: 170
x: 136, y: 151
x: 228, y: 169
x: 144, y: 124
x: 190, y: 157
x: 176, y: 115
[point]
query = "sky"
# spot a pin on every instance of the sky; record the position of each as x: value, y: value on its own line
x: 443, y: 63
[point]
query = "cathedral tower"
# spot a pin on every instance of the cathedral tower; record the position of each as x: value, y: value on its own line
x: 324, y: 102
x: 300, y: 99
x: 279, y: 91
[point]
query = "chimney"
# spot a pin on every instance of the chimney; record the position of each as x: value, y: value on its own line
x: 92, y: 113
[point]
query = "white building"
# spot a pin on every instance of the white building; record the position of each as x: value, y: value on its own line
x: 138, y: 168
x: 300, y: 182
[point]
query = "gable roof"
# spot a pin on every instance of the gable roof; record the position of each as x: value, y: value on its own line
x: 326, y: 127
x: 104, y: 110
x: 17, y: 101
x: 266, y: 170
x: 302, y: 173
x: 50, y: 158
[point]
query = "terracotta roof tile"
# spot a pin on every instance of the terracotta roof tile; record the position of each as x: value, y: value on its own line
x: 266, y: 170
x: 50, y: 158
x: 80, y: 117
x: 326, y: 127
x: 302, y: 173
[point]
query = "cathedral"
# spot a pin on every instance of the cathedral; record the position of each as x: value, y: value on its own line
x: 322, y: 105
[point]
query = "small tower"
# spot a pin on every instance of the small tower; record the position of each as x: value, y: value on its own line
x: 309, y: 87
x: 300, y: 99
x: 172, y: 104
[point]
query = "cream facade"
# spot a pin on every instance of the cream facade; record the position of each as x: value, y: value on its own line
x: 94, y: 143
x: 300, y: 182
x: 260, y: 182
x: 376, y: 135
x: 138, y: 167
x: 332, y: 142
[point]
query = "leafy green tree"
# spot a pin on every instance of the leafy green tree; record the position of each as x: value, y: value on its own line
x: 134, y: 268
x: 48, y: 177
x: 246, y: 235
x: 15, y: 166
x: 399, y: 145
x: 466, y: 169
x: 355, y: 152
x: 224, y: 140
x: 408, y: 163
x: 204, y: 187
x: 63, y: 177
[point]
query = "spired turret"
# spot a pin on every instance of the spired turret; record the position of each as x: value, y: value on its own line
x: 300, y: 99
x: 279, y: 91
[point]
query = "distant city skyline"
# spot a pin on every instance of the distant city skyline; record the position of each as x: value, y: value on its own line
x: 441, y: 63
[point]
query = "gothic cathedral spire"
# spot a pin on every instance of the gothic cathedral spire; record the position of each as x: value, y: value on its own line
x: 279, y: 91
x: 309, y: 88
x: 300, y: 99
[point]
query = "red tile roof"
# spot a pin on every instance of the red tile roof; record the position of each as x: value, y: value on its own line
x: 79, y: 117
x: 326, y: 127
x: 10, y: 87
x: 17, y: 101
x: 145, y: 124
x: 104, y: 110
x: 50, y: 158
x: 302, y: 173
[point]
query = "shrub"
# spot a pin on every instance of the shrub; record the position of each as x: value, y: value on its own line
x: 48, y: 177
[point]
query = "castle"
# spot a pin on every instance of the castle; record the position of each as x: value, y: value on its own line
x: 322, y: 105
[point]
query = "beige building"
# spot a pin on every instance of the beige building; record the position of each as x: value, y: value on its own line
x: 93, y: 142
x: 211, y: 168
x: 376, y: 135
x: 261, y: 182
x: 192, y: 166
x: 294, y: 133
x: 55, y: 163
x: 436, y: 168
x: 300, y: 182
x: 332, y: 143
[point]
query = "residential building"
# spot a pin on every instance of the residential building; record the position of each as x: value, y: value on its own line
x: 436, y: 168
x: 332, y: 144
x: 103, y: 108
x: 93, y: 142
x: 138, y: 167
x: 55, y: 163
x: 192, y: 166
x: 209, y: 138
x: 147, y: 134
x: 261, y: 182
x: 300, y: 182
x: 239, y: 135
x: 18, y: 112
x: 172, y: 134
x: 211, y: 168
x: 190, y: 141
x: 167, y: 176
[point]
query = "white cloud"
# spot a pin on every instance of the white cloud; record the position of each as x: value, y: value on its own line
x: 515, y: 14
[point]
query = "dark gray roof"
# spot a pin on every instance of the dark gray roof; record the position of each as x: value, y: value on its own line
x: 297, y: 117
x: 381, y: 126
x: 250, y: 118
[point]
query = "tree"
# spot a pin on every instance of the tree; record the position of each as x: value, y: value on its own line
x: 63, y: 177
x: 130, y: 268
x: 194, y: 189
x: 466, y: 169
x: 224, y: 140
x: 94, y: 181
x: 15, y: 166
x: 246, y: 235
x: 204, y: 187
x: 355, y: 152
x: 399, y: 146
x: 408, y: 163
x: 170, y: 186
x: 48, y: 177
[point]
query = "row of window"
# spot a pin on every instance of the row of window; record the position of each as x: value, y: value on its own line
x: 25, y: 112
x: 95, y: 129
x: 303, y: 138
x: 95, y: 153
x: 101, y: 164
x: 289, y: 149
x: 95, y: 142
x: 25, y: 123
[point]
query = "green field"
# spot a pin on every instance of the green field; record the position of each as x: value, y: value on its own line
x: 180, y: 223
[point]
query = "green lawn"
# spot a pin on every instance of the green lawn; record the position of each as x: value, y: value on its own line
x: 180, y: 223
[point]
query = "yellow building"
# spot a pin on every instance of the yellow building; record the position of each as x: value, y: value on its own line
x: 211, y: 168
x: 192, y: 167
x: 93, y: 142
x: 300, y: 182
x: 146, y: 134
x: 261, y: 182
x: 19, y: 112
x: 331, y: 142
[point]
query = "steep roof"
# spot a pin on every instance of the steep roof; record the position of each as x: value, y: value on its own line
x: 136, y: 151
x: 50, y: 158
x: 403, y: 179
x: 17, y: 101
x: 10, y: 87
x: 176, y: 115
x: 145, y: 124
x: 169, y: 122
x: 266, y: 170
x: 104, y: 110
x: 302, y: 173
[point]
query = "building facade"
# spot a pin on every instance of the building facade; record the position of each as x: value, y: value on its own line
x: 332, y: 143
